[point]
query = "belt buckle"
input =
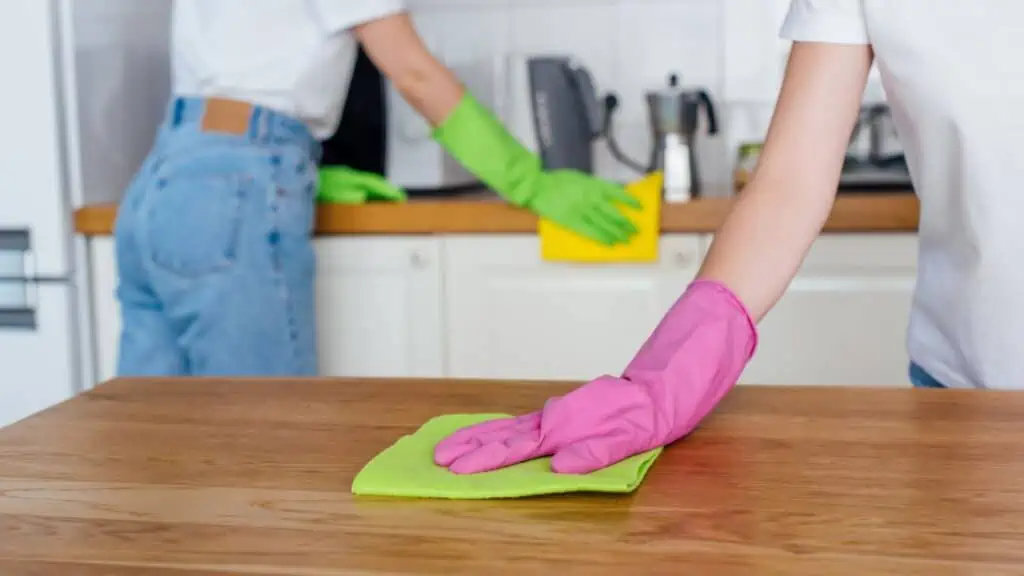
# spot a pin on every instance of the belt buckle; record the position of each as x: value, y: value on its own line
x: 226, y: 116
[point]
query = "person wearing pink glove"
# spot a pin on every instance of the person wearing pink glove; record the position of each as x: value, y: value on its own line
x: 957, y: 109
x: 688, y: 364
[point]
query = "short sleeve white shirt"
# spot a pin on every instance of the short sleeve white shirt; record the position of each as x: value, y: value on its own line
x: 953, y: 77
x: 293, y: 56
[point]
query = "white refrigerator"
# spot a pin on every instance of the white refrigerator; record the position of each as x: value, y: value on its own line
x: 85, y: 85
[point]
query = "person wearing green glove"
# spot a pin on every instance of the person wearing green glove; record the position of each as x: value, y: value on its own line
x: 579, y: 202
x: 213, y: 238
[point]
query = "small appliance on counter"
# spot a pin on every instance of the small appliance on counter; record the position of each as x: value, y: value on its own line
x: 674, y: 116
x: 874, y: 160
x: 415, y: 161
x: 359, y: 142
x: 368, y: 139
x: 566, y: 119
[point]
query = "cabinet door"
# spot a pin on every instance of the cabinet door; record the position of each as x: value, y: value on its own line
x: 379, y: 307
x: 511, y: 315
x: 843, y: 320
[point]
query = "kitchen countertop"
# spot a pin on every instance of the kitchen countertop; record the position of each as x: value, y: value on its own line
x: 189, y: 477
x: 485, y: 214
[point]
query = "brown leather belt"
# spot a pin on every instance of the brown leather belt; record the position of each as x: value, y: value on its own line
x: 226, y: 116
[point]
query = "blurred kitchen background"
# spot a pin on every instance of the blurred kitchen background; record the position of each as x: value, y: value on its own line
x: 728, y: 48
x: 430, y: 303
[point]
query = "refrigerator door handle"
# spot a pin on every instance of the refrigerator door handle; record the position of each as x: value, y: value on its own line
x: 18, y: 319
x: 19, y: 296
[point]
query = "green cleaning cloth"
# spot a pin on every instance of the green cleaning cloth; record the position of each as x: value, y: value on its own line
x: 407, y: 469
x: 343, y: 185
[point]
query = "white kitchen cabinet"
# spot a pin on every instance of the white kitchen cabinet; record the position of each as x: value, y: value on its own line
x: 843, y: 320
x: 487, y: 306
x: 379, y: 306
x: 510, y: 314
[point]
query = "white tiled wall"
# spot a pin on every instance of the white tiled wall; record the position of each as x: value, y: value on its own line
x: 729, y: 47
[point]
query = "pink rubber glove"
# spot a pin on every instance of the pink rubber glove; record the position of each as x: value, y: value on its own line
x: 688, y: 364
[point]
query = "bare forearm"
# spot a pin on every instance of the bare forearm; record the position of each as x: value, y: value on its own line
x: 398, y: 52
x: 760, y: 246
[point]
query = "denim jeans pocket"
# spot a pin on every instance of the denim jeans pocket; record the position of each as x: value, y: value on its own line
x: 192, y: 222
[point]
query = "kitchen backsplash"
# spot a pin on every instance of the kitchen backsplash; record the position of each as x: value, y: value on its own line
x: 730, y: 47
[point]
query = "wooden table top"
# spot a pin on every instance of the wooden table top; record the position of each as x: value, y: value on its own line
x: 186, y: 478
x: 485, y: 214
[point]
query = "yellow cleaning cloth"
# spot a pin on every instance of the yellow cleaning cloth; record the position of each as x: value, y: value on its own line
x: 407, y: 469
x: 561, y: 245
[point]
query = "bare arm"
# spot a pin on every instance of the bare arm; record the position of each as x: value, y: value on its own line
x: 762, y: 242
x: 395, y: 47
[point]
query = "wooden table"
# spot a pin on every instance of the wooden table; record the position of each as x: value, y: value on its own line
x: 252, y: 477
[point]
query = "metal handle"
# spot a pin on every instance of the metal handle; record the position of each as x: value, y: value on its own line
x: 683, y: 259
x: 20, y: 319
x: 18, y: 282
x: 709, y: 109
x: 417, y: 260
x: 587, y: 95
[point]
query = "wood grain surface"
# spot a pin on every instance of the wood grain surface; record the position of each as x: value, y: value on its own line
x: 186, y: 478
x: 876, y: 212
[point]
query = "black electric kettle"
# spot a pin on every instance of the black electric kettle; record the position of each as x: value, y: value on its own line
x: 566, y: 112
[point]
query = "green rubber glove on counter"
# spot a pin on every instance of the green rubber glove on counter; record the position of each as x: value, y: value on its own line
x: 579, y: 202
x: 343, y: 185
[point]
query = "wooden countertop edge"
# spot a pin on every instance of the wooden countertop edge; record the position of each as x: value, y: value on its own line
x: 876, y: 212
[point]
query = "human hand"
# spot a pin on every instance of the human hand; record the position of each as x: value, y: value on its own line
x: 344, y: 185
x: 582, y: 203
x: 688, y: 364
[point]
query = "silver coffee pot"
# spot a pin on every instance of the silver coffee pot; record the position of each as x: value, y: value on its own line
x: 674, y: 118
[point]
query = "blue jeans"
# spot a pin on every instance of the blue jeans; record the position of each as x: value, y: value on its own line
x: 921, y: 379
x: 214, y: 251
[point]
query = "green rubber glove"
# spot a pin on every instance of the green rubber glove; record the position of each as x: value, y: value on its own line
x: 576, y: 201
x: 343, y: 185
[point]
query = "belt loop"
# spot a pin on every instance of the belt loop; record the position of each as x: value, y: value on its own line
x: 258, y: 124
x: 179, y: 110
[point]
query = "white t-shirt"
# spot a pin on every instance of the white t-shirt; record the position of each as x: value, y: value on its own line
x: 293, y: 56
x: 954, y: 78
